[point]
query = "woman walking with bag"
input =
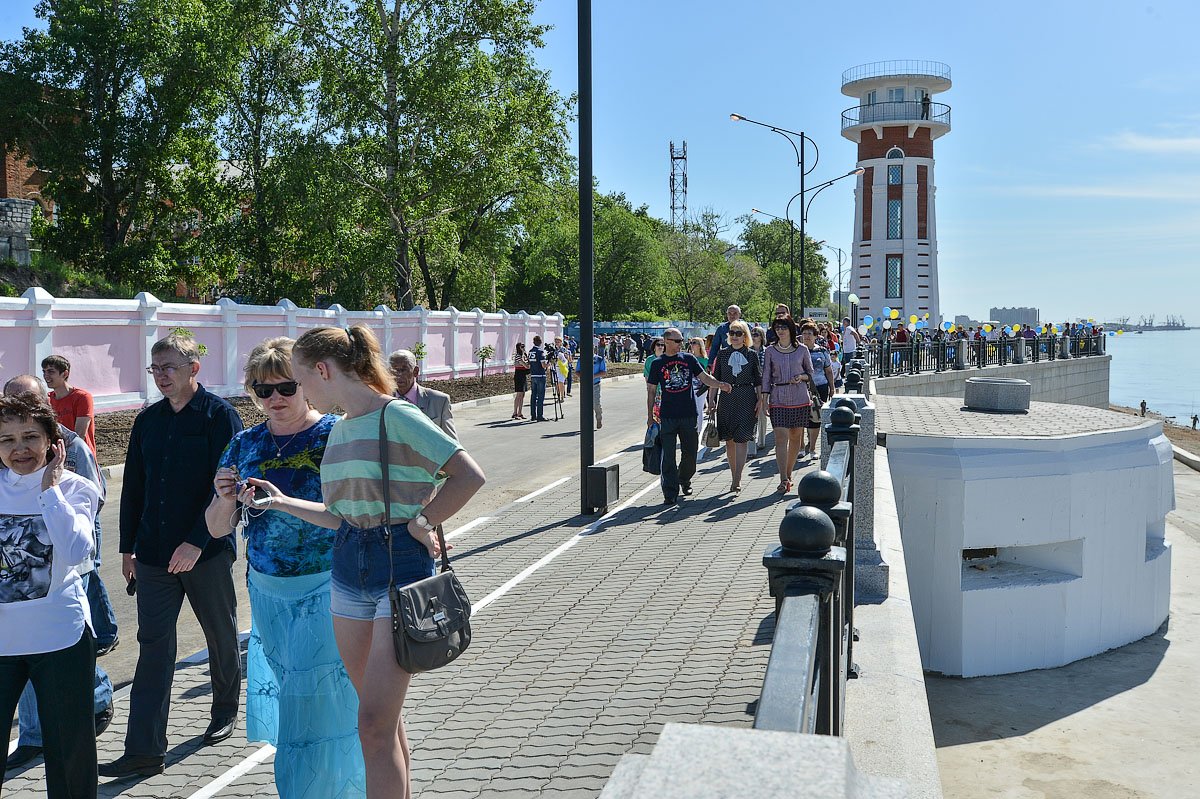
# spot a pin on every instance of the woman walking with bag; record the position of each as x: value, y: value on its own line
x: 822, y: 382
x: 428, y: 479
x: 299, y: 698
x: 737, y: 411
x: 786, y: 372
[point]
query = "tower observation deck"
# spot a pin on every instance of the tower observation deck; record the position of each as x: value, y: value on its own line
x: 896, y: 93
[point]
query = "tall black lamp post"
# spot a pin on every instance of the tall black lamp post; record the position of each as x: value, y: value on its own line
x: 587, y: 434
x: 804, y: 170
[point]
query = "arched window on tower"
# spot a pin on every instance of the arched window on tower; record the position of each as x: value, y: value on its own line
x: 895, y: 152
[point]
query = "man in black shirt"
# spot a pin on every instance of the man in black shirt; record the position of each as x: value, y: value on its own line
x: 674, y: 371
x: 537, y: 381
x: 169, y: 467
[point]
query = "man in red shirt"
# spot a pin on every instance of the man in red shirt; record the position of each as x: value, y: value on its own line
x: 74, y: 406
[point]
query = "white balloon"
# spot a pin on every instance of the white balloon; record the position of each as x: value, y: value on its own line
x: 912, y: 326
x: 887, y: 325
x: 862, y: 329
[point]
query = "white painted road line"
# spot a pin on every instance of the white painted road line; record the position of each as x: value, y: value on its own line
x: 468, y: 527
x: 563, y: 547
x: 542, y: 490
x: 215, y: 787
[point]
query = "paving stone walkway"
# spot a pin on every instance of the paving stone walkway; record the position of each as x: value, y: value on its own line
x: 658, y: 614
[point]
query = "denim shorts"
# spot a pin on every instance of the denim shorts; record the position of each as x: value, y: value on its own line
x: 359, y: 588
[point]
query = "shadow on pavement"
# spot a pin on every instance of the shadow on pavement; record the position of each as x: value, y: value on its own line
x: 967, y: 711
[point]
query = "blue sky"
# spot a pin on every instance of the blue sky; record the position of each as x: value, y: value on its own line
x: 1068, y: 180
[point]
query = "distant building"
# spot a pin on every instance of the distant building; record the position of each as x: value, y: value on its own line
x: 1025, y: 317
x: 965, y: 321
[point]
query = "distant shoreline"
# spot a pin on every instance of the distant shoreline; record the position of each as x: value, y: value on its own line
x: 1151, y: 329
x: 1181, y: 435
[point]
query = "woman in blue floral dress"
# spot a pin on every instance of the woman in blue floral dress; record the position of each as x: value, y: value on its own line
x: 299, y: 697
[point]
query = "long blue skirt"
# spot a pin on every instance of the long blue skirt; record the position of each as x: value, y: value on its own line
x: 298, y: 695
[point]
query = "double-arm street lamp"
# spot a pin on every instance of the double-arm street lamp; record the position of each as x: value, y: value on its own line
x: 841, y: 254
x: 805, y: 169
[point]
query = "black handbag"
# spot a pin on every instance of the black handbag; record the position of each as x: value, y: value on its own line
x: 431, y: 618
x: 652, y: 451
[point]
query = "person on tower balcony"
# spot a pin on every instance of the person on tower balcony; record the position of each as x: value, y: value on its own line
x: 925, y: 103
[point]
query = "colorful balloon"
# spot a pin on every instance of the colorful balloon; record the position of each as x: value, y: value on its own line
x: 987, y: 328
x: 868, y: 319
x: 894, y: 314
x: 947, y: 326
x: 1016, y: 328
x: 912, y: 326
x: 887, y: 311
x: 862, y: 329
x: 887, y: 325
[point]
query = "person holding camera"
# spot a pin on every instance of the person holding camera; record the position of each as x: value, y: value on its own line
x: 299, y: 698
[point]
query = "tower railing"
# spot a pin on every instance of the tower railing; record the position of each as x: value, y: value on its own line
x: 883, y: 69
x: 896, y: 111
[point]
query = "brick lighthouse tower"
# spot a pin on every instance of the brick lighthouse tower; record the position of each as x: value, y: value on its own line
x: 894, y: 257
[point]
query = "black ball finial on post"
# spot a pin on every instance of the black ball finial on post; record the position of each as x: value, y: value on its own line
x: 819, y: 488
x: 806, y: 531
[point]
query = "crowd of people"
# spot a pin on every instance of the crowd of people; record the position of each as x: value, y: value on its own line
x: 304, y: 490
x: 739, y: 379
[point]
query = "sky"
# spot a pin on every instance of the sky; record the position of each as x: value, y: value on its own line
x: 1069, y: 181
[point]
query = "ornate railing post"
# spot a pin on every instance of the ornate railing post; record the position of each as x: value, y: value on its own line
x: 805, y: 564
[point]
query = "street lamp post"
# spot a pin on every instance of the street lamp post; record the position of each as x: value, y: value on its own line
x: 841, y: 259
x: 799, y: 150
x: 804, y: 171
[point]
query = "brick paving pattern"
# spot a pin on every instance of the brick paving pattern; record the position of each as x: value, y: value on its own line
x: 946, y: 416
x: 661, y: 614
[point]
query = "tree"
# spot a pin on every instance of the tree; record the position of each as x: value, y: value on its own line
x: 434, y: 110
x: 114, y: 101
x: 770, y: 245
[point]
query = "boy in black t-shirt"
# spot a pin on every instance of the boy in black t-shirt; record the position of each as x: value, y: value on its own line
x: 674, y: 371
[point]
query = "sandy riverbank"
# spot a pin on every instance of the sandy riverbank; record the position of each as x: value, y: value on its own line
x: 1182, y: 437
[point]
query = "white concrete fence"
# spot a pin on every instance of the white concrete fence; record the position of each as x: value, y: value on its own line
x: 108, y: 341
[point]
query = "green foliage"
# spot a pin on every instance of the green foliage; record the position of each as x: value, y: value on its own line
x: 419, y: 351
x: 483, y: 355
x: 184, y: 332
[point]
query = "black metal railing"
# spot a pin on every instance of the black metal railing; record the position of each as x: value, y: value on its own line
x: 811, y: 576
x: 890, y: 358
x: 897, y: 68
x: 896, y: 111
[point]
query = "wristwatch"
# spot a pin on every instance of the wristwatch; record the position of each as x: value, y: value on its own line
x: 423, y: 522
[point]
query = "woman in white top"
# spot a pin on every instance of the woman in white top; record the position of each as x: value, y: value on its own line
x: 47, y: 516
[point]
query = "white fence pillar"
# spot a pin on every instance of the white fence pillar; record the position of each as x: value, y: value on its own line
x: 289, y: 310
x: 148, y: 306
x: 229, y: 340
x: 506, y: 344
x: 386, y: 314
x: 454, y: 314
x: 41, y: 332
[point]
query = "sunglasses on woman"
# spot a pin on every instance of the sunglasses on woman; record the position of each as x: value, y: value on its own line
x: 285, y: 389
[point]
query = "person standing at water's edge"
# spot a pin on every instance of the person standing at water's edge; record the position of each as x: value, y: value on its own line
x: 173, y: 452
x: 674, y: 372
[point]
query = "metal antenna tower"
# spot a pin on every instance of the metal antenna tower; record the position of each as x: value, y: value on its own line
x: 678, y: 185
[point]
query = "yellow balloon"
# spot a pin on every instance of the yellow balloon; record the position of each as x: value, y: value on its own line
x: 912, y: 319
x: 1016, y: 328
x: 895, y: 314
x: 987, y: 328
x: 1120, y: 332
x: 1091, y: 319
x: 926, y: 316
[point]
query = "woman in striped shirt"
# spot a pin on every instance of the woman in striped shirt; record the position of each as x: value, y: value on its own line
x: 431, y: 478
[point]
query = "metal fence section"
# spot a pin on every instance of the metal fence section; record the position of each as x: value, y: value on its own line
x: 811, y: 576
x: 889, y: 358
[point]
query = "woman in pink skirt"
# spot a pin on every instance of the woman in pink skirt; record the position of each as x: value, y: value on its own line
x: 787, y: 373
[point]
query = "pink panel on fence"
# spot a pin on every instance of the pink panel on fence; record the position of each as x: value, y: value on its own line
x: 14, y: 350
x: 104, y: 360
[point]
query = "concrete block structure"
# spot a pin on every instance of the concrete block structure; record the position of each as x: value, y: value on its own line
x: 1031, y: 540
x: 894, y: 256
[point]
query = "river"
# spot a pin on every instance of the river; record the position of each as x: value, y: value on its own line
x: 1161, y: 367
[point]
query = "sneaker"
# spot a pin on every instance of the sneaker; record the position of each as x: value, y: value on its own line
x: 686, y: 489
x: 104, y: 649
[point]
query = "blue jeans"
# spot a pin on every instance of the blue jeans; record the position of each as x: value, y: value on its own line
x: 27, y: 712
x: 537, y: 398
x: 359, y: 581
x: 104, y: 620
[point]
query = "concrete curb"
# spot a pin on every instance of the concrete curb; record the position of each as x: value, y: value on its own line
x: 1186, y: 458
x: 508, y: 397
x: 117, y: 470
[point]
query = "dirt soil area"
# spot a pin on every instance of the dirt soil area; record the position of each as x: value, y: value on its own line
x: 1183, y: 437
x: 112, y: 429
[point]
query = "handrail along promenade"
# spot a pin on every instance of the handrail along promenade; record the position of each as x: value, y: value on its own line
x: 889, y: 358
x: 811, y: 576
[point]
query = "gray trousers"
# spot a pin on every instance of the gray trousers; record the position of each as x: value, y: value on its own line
x: 596, y: 409
x: 209, y: 590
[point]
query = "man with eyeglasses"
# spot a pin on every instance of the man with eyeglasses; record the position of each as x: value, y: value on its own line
x: 174, y: 449
x: 434, y: 404
x: 674, y: 372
